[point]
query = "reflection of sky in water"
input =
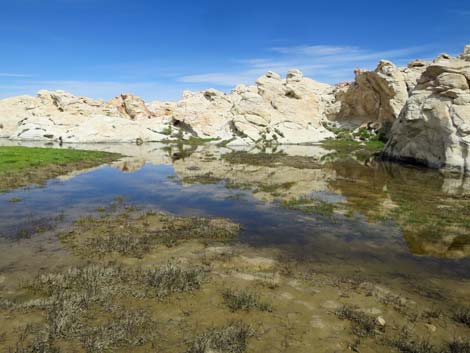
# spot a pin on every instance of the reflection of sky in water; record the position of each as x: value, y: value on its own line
x: 321, y: 237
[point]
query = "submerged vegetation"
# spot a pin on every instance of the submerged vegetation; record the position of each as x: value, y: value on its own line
x: 22, y: 166
x: 135, y: 234
x: 309, y: 205
x: 271, y: 159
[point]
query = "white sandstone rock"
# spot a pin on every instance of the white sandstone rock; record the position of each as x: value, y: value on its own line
x: 434, y: 126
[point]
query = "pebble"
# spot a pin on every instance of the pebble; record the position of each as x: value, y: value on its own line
x: 380, y: 320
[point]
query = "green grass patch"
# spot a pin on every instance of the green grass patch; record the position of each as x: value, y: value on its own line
x: 13, y: 158
x: 22, y: 166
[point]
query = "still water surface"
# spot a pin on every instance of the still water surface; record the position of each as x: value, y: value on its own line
x: 341, y: 210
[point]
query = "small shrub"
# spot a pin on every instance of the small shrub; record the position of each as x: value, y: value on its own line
x: 229, y: 339
x: 363, y: 324
x: 458, y: 346
x: 462, y: 315
x: 173, y: 278
x: 244, y: 300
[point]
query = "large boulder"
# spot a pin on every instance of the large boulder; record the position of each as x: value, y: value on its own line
x: 374, y: 97
x: 204, y: 114
x: 434, y: 126
x: 280, y: 111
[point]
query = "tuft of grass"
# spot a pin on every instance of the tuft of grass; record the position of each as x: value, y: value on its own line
x: 244, y: 300
x: 173, y: 278
x: 458, y: 346
x: 462, y: 315
x: 125, y: 329
x: 232, y: 338
x: 363, y: 325
x: 407, y: 345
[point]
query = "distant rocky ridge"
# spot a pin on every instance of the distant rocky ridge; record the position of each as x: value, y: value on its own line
x: 423, y: 109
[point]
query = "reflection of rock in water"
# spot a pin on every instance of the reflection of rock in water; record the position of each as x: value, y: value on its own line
x: 267, y: 182
x: 130, y: 165
x: 433, y: 210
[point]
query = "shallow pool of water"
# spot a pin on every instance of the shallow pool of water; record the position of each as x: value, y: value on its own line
x: 339, y: 209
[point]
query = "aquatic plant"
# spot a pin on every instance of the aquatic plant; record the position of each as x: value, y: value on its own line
x: 309, y: 206
x: 271, y: 160
x: 134, y: 234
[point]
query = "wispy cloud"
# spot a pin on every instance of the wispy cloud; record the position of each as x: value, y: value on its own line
x: 14, y: 75
x: 461, y: 12
x: 328, y: 63
x: 325, y: 63
x: 97, y: 89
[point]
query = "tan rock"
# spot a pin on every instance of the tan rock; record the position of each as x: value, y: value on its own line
x: 375, y: 96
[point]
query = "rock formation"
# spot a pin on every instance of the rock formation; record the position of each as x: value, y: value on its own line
x: 132, y: 107
x: 280, y: 111
x: 275, y: 111
x: 204, y: 114
x: 434, y: 126
x: 428, y: 105
x: 62, y: 116
x: 376, y: 97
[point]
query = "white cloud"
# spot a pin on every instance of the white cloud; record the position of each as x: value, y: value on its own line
x: 328, y: 63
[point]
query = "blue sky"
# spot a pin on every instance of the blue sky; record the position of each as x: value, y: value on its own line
x: 157, y: 49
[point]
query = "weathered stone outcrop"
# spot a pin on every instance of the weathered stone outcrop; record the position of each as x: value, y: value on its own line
x: 205, y: 114
x: 62, y: 116
x: 280, y: 111
x: 375, y: 97
x: 434, y: 126
x: 132, y: 107
x: 275, y: 111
